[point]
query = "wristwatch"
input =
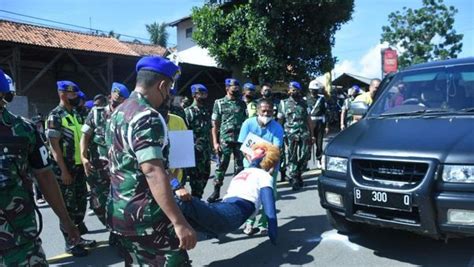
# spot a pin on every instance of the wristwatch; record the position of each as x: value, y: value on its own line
x: 175, y: 184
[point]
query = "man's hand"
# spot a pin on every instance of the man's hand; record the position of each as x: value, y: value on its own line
x: 66, y: 177
x: 183, y: 194
x: 217, y: 147
x: 186, y: 236
x: 342, y: 126
x: 326, y: 131
x: 72, y: 232
x: 312, y: 141
x: 88, y: 168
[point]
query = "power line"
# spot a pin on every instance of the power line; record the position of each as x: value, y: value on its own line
x: 68, y: 24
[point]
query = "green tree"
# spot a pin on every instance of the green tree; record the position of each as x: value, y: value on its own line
x: 114, y: 35
x: 423, y: 34
x: 158, y: 34
x: 272, y: 39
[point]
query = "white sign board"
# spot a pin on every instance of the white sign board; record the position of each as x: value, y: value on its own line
x: 249, y: 141
x: 181, y: 149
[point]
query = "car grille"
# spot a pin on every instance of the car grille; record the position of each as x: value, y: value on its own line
x: 374, y: 172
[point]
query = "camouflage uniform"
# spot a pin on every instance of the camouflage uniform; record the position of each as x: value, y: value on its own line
x: 67, y: 127
x: 21, y: 147
x: 178, y: 111
x: 198, y: 119
x: 99, y: 181
x: 230, y: 114
x: 294, y: 114
x: 136, y: 134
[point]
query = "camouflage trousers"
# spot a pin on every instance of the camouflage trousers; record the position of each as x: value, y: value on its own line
x: 298, y: 150
x: 199, y: 175
x: 75, y: 194
x: 227, y: 149
x: 161, y: 248
x: 29, y: 254
x: 99, y: 183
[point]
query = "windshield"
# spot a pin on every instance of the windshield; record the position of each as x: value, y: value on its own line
x: 440, y: 89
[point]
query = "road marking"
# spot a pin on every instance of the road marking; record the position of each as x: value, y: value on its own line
x: 65, y: 255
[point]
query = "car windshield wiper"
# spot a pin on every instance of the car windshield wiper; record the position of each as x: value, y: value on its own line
x: 415, y: 112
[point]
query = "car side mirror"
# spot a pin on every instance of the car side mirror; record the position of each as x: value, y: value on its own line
x: 359, y: 108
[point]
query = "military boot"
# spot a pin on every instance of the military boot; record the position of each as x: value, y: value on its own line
x: 214, y: 197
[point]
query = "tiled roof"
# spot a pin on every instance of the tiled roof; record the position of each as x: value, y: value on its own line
x: 146, y: 49
x: 54, y: 38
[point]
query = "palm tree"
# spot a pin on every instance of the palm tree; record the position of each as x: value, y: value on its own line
x: 158, y: 34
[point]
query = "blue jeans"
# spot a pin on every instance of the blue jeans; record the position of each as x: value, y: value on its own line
x: 218, y: 217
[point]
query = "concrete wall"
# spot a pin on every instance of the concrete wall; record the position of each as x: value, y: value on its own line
x: 183, y: 41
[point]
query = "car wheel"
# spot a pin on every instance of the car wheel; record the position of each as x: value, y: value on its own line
x: 341, y: 224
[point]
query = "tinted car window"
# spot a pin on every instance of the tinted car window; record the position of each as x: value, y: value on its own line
x: 441, y: 88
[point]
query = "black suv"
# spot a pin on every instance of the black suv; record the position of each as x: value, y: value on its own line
x: 409, y: 163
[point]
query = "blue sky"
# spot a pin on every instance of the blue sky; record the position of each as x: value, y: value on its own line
x: 357, y: 42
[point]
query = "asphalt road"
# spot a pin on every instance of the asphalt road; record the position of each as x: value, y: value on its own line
x: 305, y: 239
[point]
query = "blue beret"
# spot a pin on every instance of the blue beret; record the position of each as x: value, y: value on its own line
x: 67, y: 86
x: 4, y: 85
x: 159, y: 65
x: 81, y: 94
x: 121, y: 89
x: 295, y: 85
x: 89, y: 104
x: 198, y: 88
x: 231, y: 82
x: 249, y: 86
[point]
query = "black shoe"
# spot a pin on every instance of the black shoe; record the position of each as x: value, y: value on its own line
x: 82, y: 228
x: 301, y: 183
x: 86, y: 243
x: 214, y: 197
x: 113, y: 240
x: 295, y: 185
x: 76, y: 250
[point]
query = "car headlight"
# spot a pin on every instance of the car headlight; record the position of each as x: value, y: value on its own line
x: 336, y: 164
x: 458, y: 173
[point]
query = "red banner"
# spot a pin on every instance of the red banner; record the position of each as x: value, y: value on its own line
x: 389, y: 61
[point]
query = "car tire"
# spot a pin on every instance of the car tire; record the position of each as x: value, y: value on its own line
x: 340, y: 223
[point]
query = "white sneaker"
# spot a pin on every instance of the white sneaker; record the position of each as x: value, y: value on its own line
x: 248, y: 230
x: 263, y: 231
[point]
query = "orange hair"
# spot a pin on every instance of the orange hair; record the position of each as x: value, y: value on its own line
x: 271, y: 154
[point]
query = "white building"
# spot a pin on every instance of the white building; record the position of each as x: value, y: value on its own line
x: 187, y: 50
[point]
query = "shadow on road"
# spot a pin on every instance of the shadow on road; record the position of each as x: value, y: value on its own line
x: 102, y: 255
x: 301, y: 235
x: 415, y: 249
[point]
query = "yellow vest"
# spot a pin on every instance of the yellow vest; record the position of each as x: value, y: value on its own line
x: 70, y: 122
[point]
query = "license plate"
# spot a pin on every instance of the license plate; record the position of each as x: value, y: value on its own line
x: 382, y: 199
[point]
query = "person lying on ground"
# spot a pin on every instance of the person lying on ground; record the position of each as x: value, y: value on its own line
x: 247, y: 191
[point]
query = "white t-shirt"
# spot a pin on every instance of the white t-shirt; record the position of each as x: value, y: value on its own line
x: 247, y: 185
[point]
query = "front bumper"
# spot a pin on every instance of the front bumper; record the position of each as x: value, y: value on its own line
x: 428, y: 216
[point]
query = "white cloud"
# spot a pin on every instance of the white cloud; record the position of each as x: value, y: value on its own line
x: 369, y: 65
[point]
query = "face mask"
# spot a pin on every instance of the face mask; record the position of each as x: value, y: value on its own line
x: 200, y: 100
x: 264, y: 119
x: 295, y: 95
x: 74, y: 101
x: 115, y: 103
x: 314, y: 92
x: 235, y: 93
x: 267, y: 94
x: 8, y: 97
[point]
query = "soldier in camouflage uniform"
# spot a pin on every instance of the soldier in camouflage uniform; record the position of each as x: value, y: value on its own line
x: 293, y: 116
x: 63, y: 130
x: 94, y: 152
x: 22, y: 150
x: 141, y: 208
x: 198, y: 119
x: 228, y: 115
x: 249, y: 99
